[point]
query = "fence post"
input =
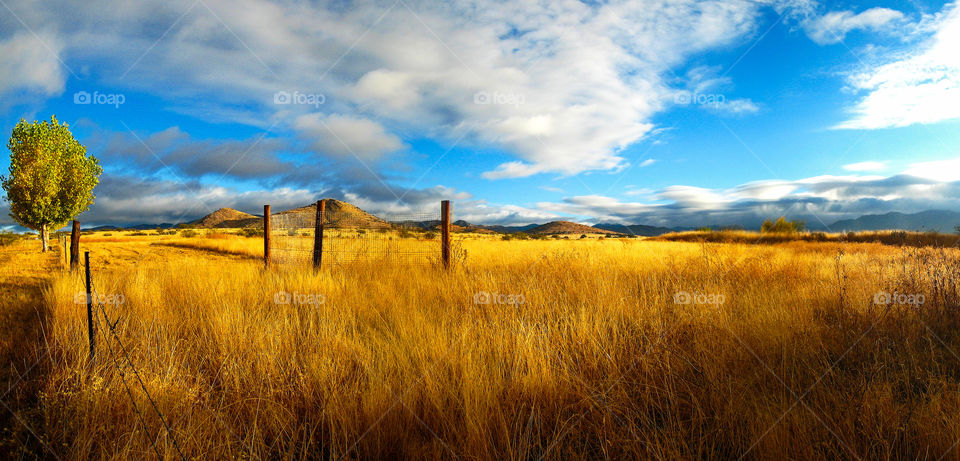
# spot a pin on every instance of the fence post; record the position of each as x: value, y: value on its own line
x: 75, y: 246
x: 266, y: 236
x: 318, y: 226
x: 90, y: 335
x: 445, y: 232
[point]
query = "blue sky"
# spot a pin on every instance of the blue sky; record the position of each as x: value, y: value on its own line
x: 679, y: 113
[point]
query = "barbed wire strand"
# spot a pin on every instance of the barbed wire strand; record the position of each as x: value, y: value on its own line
x: 133, y: 368
x: 136, y: 409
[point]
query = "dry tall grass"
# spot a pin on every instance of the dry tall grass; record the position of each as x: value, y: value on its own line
x: 798, y: 362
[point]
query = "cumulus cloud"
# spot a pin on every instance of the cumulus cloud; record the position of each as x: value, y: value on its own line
x: 922, y: 86
x: 563, y: 86
x: 346, y: 136
x: 175, y: 152
x: 31, y: 63
x: 940, y: 170
x: 834, y: 26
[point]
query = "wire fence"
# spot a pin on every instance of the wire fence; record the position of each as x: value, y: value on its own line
x: 97, y: 312
x: 406, y: 238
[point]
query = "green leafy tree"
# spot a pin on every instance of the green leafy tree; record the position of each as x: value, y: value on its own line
x: 782, y: 226
x: 51, y: 176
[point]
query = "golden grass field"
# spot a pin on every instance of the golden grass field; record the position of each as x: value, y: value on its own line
x: 594, y: 358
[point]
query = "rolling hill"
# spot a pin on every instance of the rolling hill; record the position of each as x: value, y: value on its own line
x: 226, y: 217
x: 338, y: 214
x: 567, y: 227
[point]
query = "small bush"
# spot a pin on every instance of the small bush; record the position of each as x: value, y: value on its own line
x: 782, y: 226
x: 7, y: 237
x: 251, y: 232
x: 430, y: 236
x: 188, y: 233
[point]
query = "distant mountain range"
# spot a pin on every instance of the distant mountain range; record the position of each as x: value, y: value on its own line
x: 933, y: 220
x: 343, y: 214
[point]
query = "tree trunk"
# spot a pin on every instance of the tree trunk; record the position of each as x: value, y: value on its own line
x: 44, y: 236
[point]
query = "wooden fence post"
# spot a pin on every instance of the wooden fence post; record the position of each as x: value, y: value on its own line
x: 90, y: 335
x: 75, y: 246
x: 318, y: 226
x: 266, y: 236
x: 445, y: 232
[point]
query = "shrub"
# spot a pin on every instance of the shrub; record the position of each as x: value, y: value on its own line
x: 8, y: 237
x: 583, y: 236
x: 430, y: 236
x: 188, y: 233
x: 251, y: 232
x: 782, y: 226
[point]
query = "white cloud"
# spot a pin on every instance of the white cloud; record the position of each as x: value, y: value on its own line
x: 865, y: 166
x: 739, y: 106
x: 834, y: 26
x: 347, y: 136
x: 29, y: 64
x: 647, y: 162
x: 921, y: 87
x: 820, y: 200
x: 582, y: 80
x: 941, y: 170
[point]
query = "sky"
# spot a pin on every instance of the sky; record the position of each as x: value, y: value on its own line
x: 674, y: 113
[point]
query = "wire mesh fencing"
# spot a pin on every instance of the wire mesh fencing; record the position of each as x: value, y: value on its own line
x: 349, y: 236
